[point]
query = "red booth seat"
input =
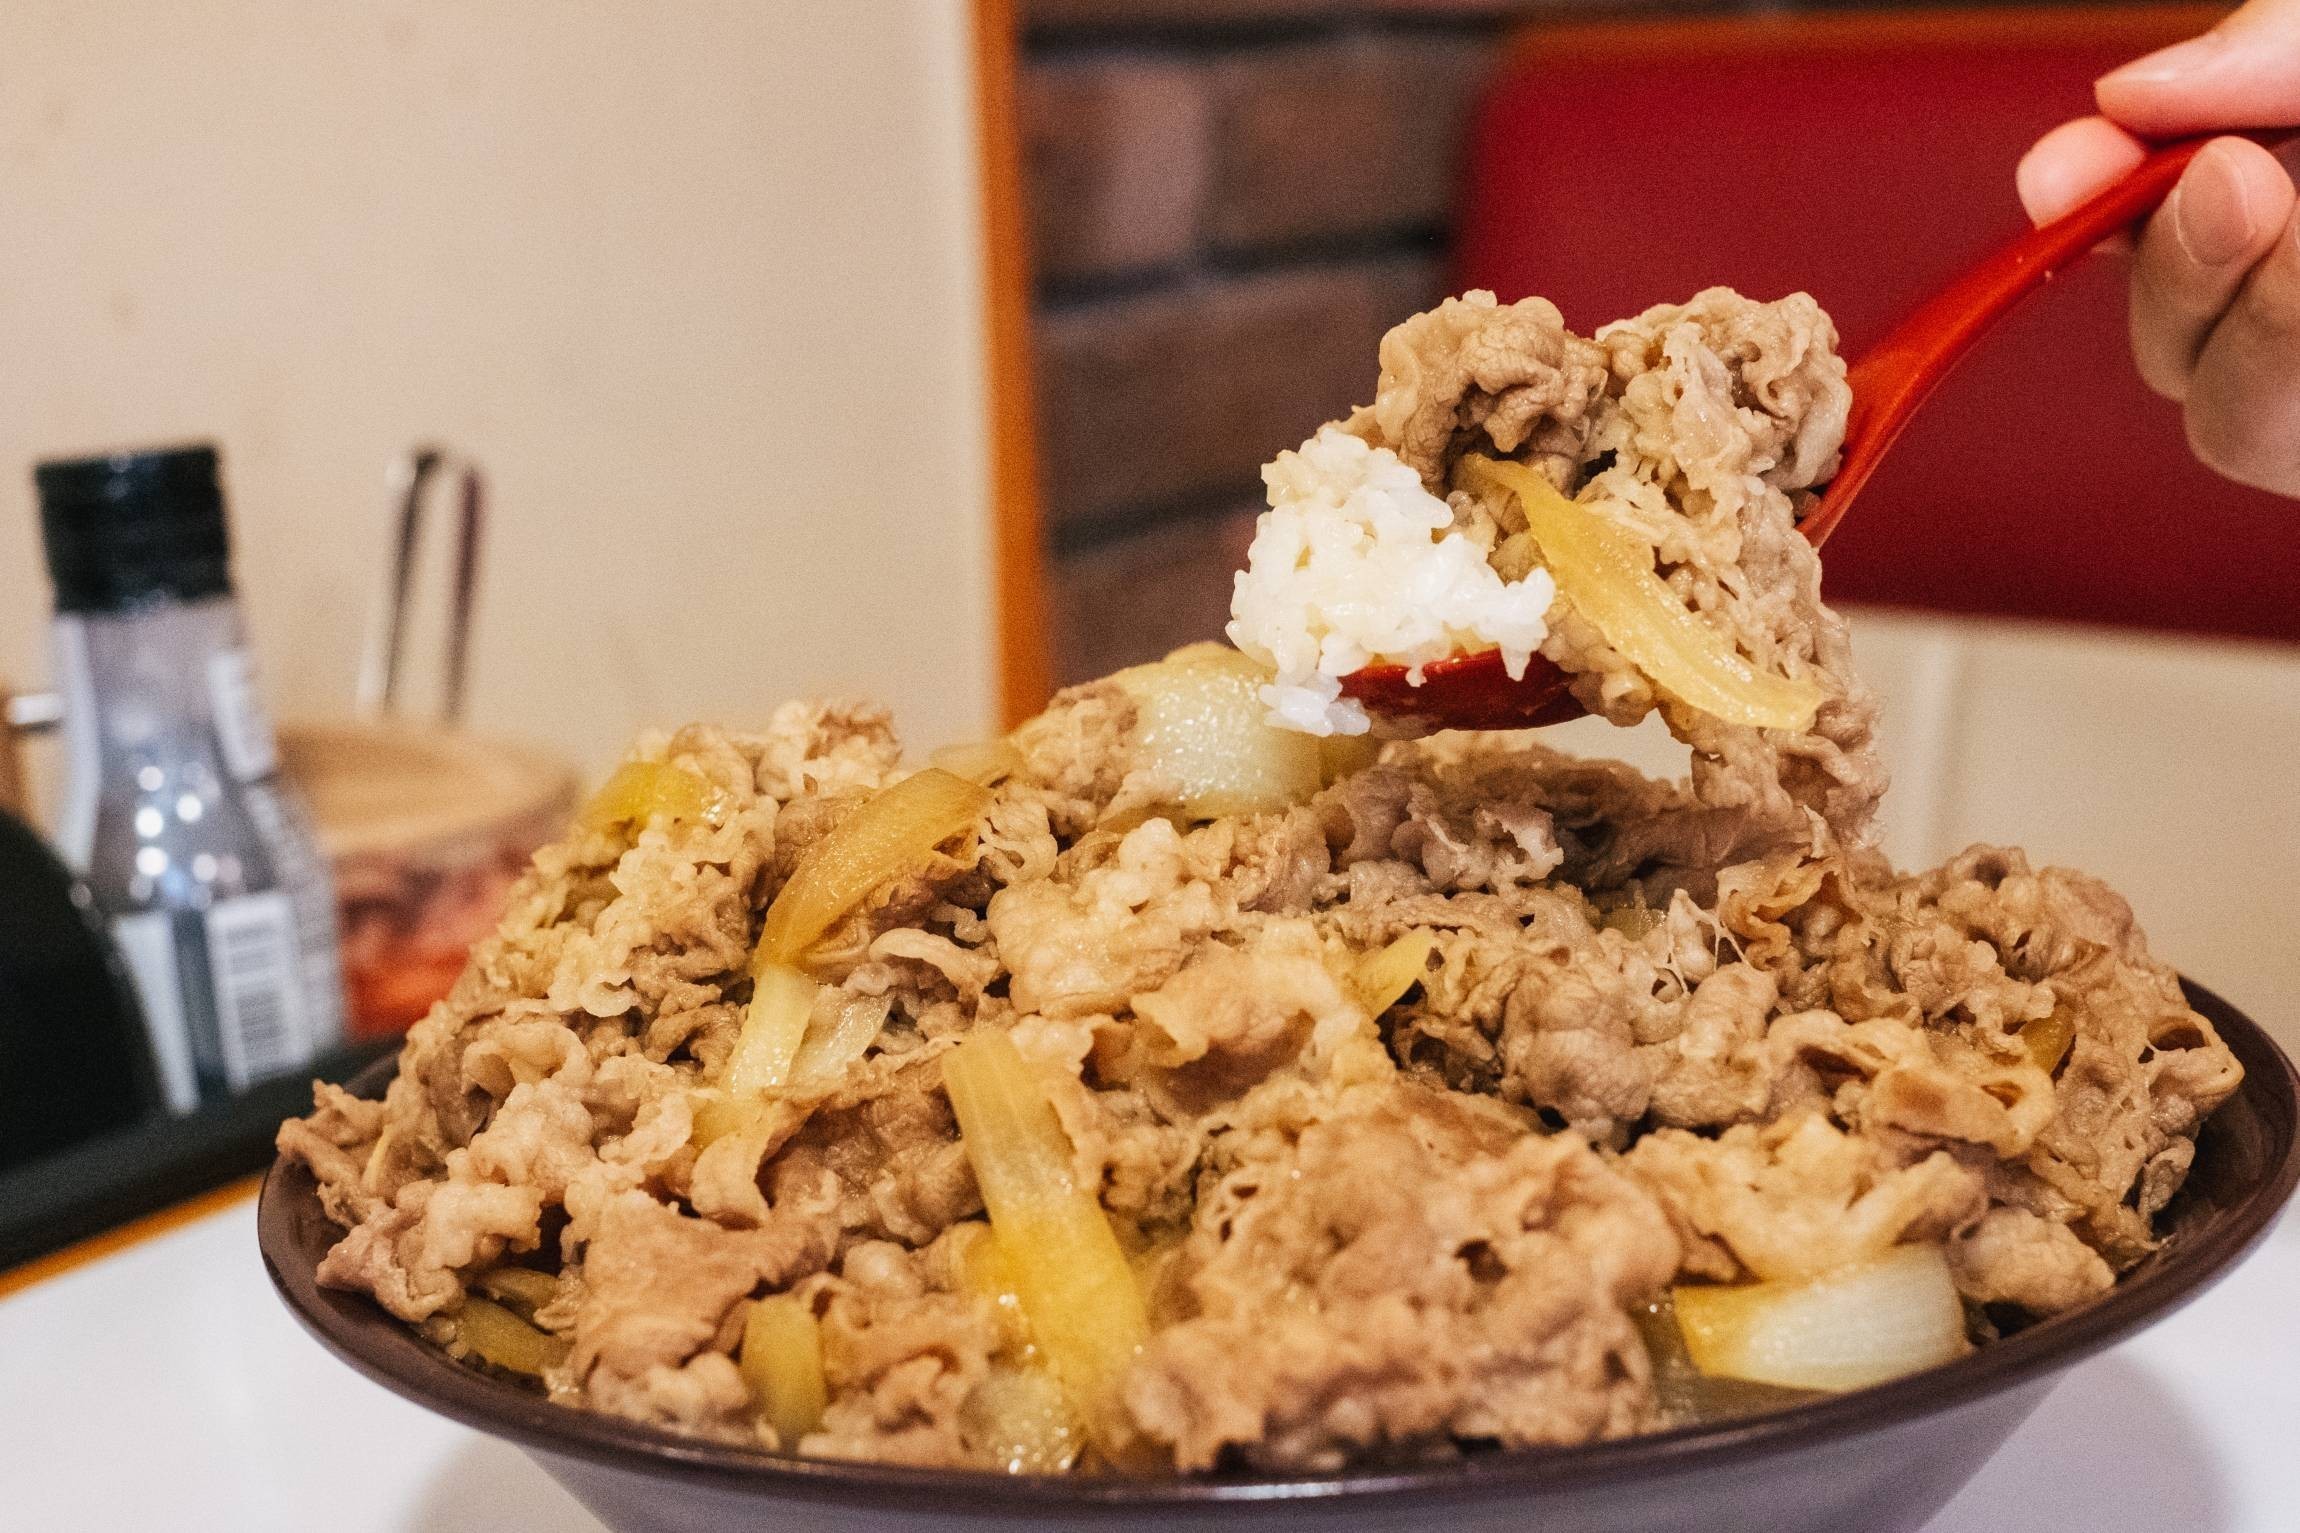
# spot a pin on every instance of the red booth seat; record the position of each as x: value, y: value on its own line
x: 1863, y: 158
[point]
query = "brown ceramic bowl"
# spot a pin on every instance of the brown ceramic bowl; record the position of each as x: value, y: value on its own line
x: 1879, y: 1460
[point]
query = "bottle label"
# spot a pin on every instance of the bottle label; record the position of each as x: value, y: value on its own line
x: 304, y: 874
x: 243, y: 729
x: 147, y: 944
x: 257, y: 960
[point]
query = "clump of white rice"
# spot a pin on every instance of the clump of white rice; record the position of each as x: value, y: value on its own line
x: 1354, y: 564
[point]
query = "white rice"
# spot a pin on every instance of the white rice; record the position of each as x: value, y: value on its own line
x: 1353, y: 564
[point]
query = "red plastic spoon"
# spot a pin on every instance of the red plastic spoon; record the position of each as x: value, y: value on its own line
x: 1472, y: 691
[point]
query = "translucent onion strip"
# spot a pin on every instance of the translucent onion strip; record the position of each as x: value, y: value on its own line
x: 1845, y: 1329
x: 641, y: 790
x: 1605, y: 572
x: 1018, y: 1415
x: 1202, y: 726
x: 782, y: 1362
x: 788, y: 1039
x: 1077, y: 1291
x: 1636, y: 922
x: 2047, y: 1040
x: 1685, y: 1393
x: 523, y: 1288
x: 500, y: 1338
x: 1383, y: 976
x: 853, y: 1025
x: 892, y: 835
x: 982, y: 761
x: 782, y: 1000
x: 985, y: 1272
x: 718, y: 1114
x: 1018, y: 1412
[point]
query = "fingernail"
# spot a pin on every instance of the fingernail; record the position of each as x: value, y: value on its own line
x: 2168, y: 64
x: 2211, y: 216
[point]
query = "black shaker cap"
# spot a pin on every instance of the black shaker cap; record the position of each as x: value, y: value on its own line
x: 124, y: 528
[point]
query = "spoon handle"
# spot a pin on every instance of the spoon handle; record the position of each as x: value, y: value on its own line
x: 1896, y: 375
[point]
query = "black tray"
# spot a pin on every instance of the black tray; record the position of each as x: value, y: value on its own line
x: 75, y: 1193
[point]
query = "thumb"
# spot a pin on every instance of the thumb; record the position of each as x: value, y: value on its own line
x: 2244, y: 73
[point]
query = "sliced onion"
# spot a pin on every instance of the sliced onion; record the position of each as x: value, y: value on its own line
x: 1018, y: 1413
x: 834, y: 1042
x: 1684, y: 1392
x: 719, y: 1114
x: 522, y: 1288
x: 1636, y: 922
x: 1019, y: 1416
x: 983, y: 1269
x: 641, y: 790
x: 1605, y: 573
x: 2047, y: 1040
x: 501, y: 1339
x: 1076, y: 1289
x: 787, y: 1040
x: 1842, y: 1330
x: 1382, y: 977
x: 1201, y: 724
x: 782, y: 999
x: 892, y: 835
x: 982, y: 761
x: 782, y: 1362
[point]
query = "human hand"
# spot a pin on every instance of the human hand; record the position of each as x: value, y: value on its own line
x: 2216, y: 270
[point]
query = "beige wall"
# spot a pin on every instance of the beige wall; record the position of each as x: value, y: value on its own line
x: 699, y: 282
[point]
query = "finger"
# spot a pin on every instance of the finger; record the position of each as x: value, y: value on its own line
x: 2072, y: 162
x: 2244, y: 397
x: 2244, y: 73
x: 2222, y: 218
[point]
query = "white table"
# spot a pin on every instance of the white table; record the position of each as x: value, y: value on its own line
x: 165, y: 1387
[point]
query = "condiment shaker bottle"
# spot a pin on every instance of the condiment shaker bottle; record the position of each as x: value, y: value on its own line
x: 198, y: 858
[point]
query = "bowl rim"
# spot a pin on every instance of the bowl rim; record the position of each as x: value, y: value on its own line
x: 393, y: 1355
